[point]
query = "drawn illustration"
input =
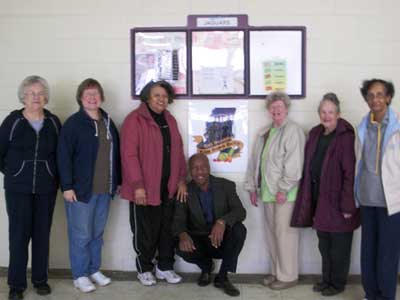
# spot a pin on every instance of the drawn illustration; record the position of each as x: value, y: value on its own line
x: 220, y: 134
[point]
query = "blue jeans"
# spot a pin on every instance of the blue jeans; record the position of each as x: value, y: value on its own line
x: 86, y: 223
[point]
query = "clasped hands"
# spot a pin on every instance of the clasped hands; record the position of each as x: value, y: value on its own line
x: 216, y: 236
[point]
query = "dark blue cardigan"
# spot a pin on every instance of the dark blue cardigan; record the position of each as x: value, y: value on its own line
x: 77, y: 152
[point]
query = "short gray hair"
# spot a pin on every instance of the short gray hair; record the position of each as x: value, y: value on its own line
x: 31, y: 80
x: 277, y: 96
x: 332, y: 98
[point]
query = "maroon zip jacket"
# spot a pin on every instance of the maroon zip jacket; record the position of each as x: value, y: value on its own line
x: 141, y: 155
x: 336, y: 184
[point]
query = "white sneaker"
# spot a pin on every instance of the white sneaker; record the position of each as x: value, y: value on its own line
x: 84, y: 284
x: 170, y: 276
x: 100, y: 279
x: 146, y: 278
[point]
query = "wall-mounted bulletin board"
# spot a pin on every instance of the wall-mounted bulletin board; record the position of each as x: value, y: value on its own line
x: 220, y: 56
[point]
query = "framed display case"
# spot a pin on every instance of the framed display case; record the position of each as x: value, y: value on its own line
x: 220, y: 56
x: 159, y: 55
x: 277, y: 61
x: 218, y: 66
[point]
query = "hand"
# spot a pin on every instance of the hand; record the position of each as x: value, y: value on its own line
x: 186, y: 243
x: 140, y: 197
x: 182, y: 192
x: 70, y: 196
x: 346, y: 215
x: 118, y: 190
x: 253, y: 198
x: 217, y: 233
x: 280, y: 197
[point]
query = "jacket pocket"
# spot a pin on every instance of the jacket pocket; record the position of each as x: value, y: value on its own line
x: 21, y: 173
x: 20, y: 169
x: 48, y: 169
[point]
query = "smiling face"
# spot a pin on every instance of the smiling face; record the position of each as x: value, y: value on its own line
x: 278, y: 112
x: 377, y: 98
x: 35, y: 97
x: 158, y: 100
x: 328, y: 115
x: 91, y: 99
x: 200, y: 170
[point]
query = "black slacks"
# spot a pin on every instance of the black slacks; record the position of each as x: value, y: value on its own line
x: 229, y: 250
x: 151, y: 228
x: 380, y: 251
x: 335, y: 249
x: 29, y: 218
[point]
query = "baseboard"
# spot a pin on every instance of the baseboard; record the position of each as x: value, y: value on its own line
x: 189, y: 277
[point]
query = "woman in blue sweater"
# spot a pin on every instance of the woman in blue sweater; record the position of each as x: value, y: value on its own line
x: 89, y: 164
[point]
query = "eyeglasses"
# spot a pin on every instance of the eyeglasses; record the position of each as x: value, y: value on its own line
x: 93, y: 94
x: 33, y: 94
x: 379, y: 96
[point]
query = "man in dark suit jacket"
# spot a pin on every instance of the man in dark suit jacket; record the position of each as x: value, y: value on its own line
x: 209, y: 224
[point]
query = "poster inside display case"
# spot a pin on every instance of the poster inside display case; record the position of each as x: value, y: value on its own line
x: 218, y: 62
x: 160, y: 56
x: 277, y: 61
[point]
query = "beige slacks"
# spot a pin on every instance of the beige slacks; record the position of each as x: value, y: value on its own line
x: 282, y: 241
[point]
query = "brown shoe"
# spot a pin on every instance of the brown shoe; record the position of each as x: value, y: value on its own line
x: 269, y: 279
x: 281, y: 285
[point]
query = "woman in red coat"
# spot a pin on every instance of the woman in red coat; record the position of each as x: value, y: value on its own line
x: 153, y: 171
x: 325, y: 199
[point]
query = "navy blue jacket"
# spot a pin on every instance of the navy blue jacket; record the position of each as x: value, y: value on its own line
x: 28, y: 158
x: 77, y: 153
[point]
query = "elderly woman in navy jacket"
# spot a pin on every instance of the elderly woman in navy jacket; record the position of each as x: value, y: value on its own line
x: 28, y: 142
x: 325, y: 199
x: 89, y: 165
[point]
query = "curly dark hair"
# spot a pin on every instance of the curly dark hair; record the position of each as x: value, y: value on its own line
x: 366, y: 85
x: 145, y: 92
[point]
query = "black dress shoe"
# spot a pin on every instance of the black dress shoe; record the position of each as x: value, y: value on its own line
x: 320, y: 286
x: 42, y: 289
x: 331, y: 291
x: 226, y: 286
x: 204, y: 279
x: 15, y: 295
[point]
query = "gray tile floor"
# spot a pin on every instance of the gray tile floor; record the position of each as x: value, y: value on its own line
x: 133, y: 290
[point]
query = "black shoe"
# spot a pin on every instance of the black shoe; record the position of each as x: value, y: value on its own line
x: 204, y: 279
x: 331, y: 291
x: 320, y: 286
x: 42, y: 289
x: 15, y: 295
x: 227, y: 286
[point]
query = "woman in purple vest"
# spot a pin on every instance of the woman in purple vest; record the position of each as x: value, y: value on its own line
x: 325, y: 199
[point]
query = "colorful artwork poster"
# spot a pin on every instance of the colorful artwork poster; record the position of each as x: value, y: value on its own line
x: 274, y: 75
x: 220, y: 131
x: 160, y: 56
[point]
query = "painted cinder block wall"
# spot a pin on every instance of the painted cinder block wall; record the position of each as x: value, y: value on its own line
x: 68, y: 41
